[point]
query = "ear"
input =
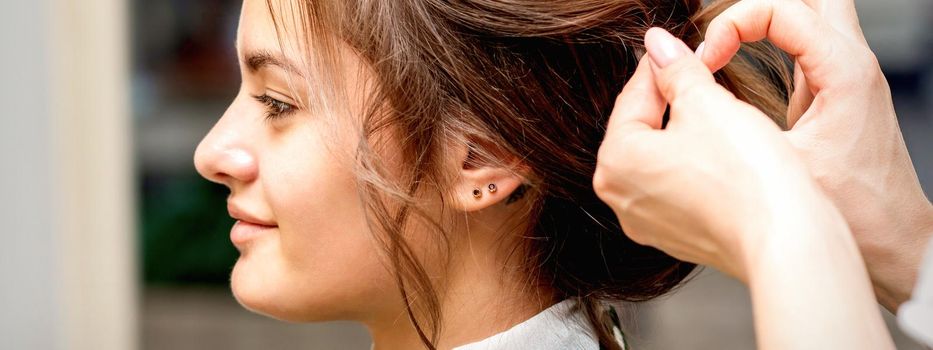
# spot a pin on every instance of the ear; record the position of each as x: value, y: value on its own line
x: 483, y: 182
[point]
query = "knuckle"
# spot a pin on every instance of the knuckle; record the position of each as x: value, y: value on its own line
x: 640, y: 237
x: 864, y: 68
x: 616, y: 161
x: 861, y: 57
x: 636, y: 237
x: 605, y: 172
x: 868, y: 62
x: 605, y: 154
x: 601, y: 183
x: 620, y: 97
x: 721, y: 25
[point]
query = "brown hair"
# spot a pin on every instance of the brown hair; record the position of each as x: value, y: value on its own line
x: 532, y: 80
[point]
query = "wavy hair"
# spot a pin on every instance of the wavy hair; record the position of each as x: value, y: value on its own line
x: 533, y: 80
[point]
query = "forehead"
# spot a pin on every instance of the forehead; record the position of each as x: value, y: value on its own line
x: 257, y: 30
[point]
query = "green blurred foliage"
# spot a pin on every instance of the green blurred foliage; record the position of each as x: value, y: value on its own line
x: 185, y: 231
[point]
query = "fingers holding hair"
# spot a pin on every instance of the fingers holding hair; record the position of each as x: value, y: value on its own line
x: 790, y: 25
x: 639, y: 105
x: 680, y: 75
x: 630, y: 134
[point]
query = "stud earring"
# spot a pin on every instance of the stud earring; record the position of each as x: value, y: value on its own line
x: 477, y: 193
x: 492, y: 188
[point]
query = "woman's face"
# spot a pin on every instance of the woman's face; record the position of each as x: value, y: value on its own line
x: 305, y: 250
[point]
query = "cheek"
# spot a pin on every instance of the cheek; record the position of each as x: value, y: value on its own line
x: 312, y: 191
x: 324, y: 263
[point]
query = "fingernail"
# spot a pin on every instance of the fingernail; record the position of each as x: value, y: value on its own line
x: 664, y: 48
x: 700, y: 49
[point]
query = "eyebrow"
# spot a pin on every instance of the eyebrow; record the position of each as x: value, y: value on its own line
x: 256, y: 60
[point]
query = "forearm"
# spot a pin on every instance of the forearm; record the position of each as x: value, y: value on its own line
x: 810, y: 288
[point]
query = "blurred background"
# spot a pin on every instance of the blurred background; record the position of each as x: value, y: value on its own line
x: 117, y: 243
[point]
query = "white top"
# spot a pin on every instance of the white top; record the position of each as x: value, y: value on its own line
x: 915, y: 317
x: 555, y: 328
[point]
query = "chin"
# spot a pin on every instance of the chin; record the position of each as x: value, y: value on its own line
x: 266, y: 295
x: 257, y: 293
x: 248, y: 291
x: 266, y: 282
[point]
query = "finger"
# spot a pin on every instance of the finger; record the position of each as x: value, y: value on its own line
x: 679, y: 74
x: 790, y: 25
x: 639, y: 110
x: 639, y: 105
x: 630, y: 139
x: 800, y: 100
x: 840, y: 14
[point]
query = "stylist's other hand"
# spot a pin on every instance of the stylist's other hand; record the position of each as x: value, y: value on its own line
x: 721, y: 185
x: 844, y: 126
x: 717, y: 182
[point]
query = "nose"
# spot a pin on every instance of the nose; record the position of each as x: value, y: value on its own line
x: 224, y: 156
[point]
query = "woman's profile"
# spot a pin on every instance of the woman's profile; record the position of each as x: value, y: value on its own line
x: 425, y: 167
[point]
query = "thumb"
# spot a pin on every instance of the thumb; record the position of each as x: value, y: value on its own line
x: 679, y: 74
x: 639, y: 105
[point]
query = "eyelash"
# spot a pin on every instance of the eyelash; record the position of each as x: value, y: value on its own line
x: 274, y: 108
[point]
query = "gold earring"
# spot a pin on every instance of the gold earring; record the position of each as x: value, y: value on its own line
x: 477, y: 193
x: 492, y: 188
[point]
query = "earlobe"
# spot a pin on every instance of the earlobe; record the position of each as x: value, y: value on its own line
x: 472, y: 196
x: 483, y: 184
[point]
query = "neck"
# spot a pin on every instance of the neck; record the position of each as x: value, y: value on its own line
x: 481, y: 295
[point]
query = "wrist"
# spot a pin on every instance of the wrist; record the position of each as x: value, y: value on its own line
x: 800, y: 228
x: 894, y: 260
x: 807, y: 278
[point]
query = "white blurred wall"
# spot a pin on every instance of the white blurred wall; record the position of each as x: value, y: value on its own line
x: 28, y: 263
x: 899, y: 31
x: 67, y: 272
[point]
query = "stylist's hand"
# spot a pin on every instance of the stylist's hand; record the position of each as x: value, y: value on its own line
x: 713, y: 185
x: 722, y: 186
x: 844, y: 127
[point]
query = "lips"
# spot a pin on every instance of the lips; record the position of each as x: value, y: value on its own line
x: 244, y: 232
x: 248, y: 227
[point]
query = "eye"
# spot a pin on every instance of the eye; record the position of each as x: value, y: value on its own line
x: 275, y: 108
